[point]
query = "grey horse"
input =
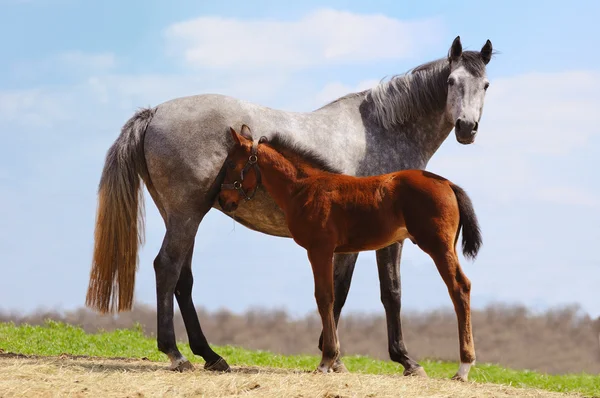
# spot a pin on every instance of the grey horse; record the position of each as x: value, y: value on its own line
x: 178, y: 149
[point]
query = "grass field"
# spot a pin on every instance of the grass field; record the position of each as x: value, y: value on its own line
x: 55, y: 339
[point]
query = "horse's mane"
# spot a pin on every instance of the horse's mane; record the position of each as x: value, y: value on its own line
x: 282, y: 143
x: 417, y: 92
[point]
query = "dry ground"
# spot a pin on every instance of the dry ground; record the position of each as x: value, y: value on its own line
x: 22, y: 376
x: 556, y: 342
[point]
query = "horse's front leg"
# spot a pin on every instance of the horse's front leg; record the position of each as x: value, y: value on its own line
x: 388, y: 265
x: 321, y: 260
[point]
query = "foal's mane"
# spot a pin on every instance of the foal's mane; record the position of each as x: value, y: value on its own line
x: 416, y: 93
x: 299, y: 154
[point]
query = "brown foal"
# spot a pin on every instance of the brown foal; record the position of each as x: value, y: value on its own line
x: 329, y: 213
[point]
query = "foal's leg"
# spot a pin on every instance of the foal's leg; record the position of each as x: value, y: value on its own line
x: 343, y: 268
x: 177, y: 243
x: 388, y: 265
x: 321, y: 260
x: 198, y: 343
x: 459, y: 288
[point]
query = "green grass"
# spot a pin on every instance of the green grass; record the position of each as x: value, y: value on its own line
x: 57, y: 338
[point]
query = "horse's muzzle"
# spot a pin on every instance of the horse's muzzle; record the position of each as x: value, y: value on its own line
x: 465, y: 131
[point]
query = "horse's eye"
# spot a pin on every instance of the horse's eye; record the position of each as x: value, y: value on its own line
x: 450, y: 81
x: 229, y: 163
x: 487, y: 84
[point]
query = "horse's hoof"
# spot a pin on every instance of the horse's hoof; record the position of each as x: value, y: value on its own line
x: 339, y: 367
x: 182, y: 366
x: 220, y: 365
x: 416, y: 371
x: 458, y: 377
x: 322, y: 369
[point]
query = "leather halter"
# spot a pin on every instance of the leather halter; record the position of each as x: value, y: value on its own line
x: 252, y: 162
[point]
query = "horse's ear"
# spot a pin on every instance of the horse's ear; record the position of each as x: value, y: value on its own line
x: 263, y: 139
x: 246, y: 133
x: 486, y: 52
x: 236, y: 137
x: 455, y: 50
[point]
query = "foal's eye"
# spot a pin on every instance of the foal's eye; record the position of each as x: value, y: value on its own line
x: 487, y: 84
x: 229, y: 163
x: 450, y: 81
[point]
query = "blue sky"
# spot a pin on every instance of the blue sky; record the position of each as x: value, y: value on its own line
x: 72, y: 72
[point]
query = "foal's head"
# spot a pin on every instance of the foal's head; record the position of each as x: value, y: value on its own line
x: 242, y: 175
x: 467, y: 85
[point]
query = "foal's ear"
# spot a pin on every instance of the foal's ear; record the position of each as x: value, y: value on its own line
x: 486, y: 52
x: 237, y: 139
x: 246, y: 133
x: 455, y: 50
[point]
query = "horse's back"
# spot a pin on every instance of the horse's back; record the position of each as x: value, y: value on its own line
x: 188, y: 140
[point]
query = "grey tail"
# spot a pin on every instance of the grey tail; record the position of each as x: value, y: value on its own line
x: 119, y: 227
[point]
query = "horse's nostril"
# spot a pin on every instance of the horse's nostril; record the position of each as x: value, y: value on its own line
x: 457, y: 125
x: 476, y: 126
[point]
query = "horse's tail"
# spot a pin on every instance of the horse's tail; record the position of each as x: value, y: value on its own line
x: 471, y: 233
x: 120, y: 219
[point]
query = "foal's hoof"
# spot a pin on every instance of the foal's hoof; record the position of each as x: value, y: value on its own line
x: 182, y: 366
x: 220, y: 365
x: 458, y: 377
x: 339, y: 367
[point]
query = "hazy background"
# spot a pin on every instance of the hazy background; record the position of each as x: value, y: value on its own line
x: 73, y: 72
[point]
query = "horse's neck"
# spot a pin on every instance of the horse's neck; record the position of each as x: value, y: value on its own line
x: 407, y: 145
x: 426, y: 134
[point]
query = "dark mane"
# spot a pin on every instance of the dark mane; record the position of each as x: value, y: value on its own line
x: 282, y: 144
x: 418, y: 92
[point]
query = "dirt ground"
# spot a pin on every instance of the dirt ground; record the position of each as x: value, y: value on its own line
x: 558, y: 341
x: 27, y: 376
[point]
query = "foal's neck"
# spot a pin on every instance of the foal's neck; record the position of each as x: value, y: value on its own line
x: 281, y: 174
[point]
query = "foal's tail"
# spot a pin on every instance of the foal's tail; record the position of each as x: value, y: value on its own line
x: 120, y: 219
x: 471, y: 233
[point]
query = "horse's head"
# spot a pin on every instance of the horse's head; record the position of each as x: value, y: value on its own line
x: 242, y: 175
x: 467, y: 85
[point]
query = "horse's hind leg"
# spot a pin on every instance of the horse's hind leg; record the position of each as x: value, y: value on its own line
x: 388, y: 265
x: 177, y: 243
x: 459, y: 287
x: 198, y: 342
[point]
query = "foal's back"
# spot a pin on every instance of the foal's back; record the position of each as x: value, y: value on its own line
x: 367, y: 213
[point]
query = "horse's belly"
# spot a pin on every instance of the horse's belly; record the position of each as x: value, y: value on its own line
x: 260, y: 214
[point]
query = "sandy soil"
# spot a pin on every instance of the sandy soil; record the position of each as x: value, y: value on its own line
x: 28, y: 376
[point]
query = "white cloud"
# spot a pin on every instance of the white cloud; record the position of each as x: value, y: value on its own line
x: 89, y: 62
x: 73, y: 64
x: 548, y: 113
x: 533, y: 127
x: 568, y: 195
x: 36, y: 107
x: 322, y: 37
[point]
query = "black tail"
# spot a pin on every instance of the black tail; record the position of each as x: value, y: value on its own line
x: 471, y: 233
